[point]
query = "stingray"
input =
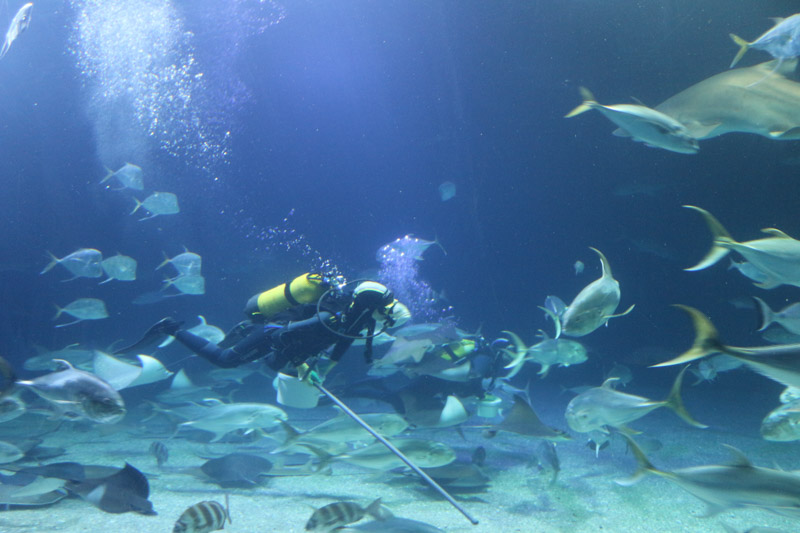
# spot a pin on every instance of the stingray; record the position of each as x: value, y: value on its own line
x: 747, y: 100
x: 123, y: 491
x: 30, y: 490
x: 523, y: 420
x: 237, y: 470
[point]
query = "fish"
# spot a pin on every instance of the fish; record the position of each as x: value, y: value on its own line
x: 10, y: 453
x: 160, y: 451
x: 424, y: 453
x: 782, y: 41
x: 79, y: 393
x: 723, y: 487
x: 782, y: 424
x: 402, y: 351
x: 20, y: 23
x: 186, y: 263
x: 82, y: 309
x: 11, y: 407
x: 391, y: 524
x: 523, y: 420
x: 127, y: 490
x: 643, y: 124
x: 182, y: 390
x: 778, y: 362
x: 749, y: 271
x: 73, y: 353
x: 447, y: 191
x: 789, y: 395
x: 222, y: 418
x: 151, y: 297
x: 431, y: 413
x: 622, y: 373
x: 120, y: 267
x: 203, y: 517
x: 187, y: 284
x: 122, y: 374
x: 460, y: 476
x: 158, y: 203
x: 339, y: 514
x: 593, y: 307
x: 38, y: 491
x: 788, y: 317
x: 406, y: 246
x: 758, y: 99
x: 212, y: 334
x: 776, y: 256
x: 82, y: 263
x: 578, y: 267
x: 343, y: 428
x: 547, y: 456
x: 602, y: 407
x: 237, y: 470
x: 547, y: 352
x: 707, y: 369
x: 129, y: 176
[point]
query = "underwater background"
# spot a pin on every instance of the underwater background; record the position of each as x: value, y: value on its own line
x: 302, y: 134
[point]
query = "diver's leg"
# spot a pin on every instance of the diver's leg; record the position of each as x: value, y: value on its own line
x: 248, y: 349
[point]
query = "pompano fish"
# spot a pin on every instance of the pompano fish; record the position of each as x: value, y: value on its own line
x: 120, y: 267
x: 603, y: 406
x: 79, y: 393
x: 406, y: 246
x: 187, y: 284
x: 722, y: 487
x: 749, y: 270
x: 203, y: 517
x: 82, y: 263
x: 20, y: 23
x: 158, y: 203
x: 186, y: 263
x: 788, y: 317
x: 336, y: 515
x: 778, y: 362
x: 593, y: 307
x: 782, y: 424
x: 82, y: 309
x: 782, y: 41
x: 747, y: 100
x: 129, y: 176
x: 342, y: 428
x: 222, y: 418
x: 776, y: 256
x: 424, y: 453
x: 642, y: 124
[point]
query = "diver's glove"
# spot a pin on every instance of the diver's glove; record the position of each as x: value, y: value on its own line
x: 308, y: 374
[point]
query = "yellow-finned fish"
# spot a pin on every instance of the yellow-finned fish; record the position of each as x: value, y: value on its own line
x: 203, y: 517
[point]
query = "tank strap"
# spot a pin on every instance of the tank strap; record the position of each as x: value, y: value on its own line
x: 287, y: 293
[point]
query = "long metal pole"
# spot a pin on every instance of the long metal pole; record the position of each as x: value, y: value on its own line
x: 397, y: 452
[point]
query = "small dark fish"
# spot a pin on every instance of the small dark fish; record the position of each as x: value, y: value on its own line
x: 339, y: 514
x: 237, y: 470
x: 547, y: 456
x: 203, y: 517
x: 160, y: 452
x: 479, y: 456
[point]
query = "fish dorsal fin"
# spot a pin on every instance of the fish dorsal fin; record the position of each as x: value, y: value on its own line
x: 181, y: 381
x: 64, y: 364
x: 543, y: 335
x: 202, y: 320
x: 638, y: 101
x: 609, y: 383
x: 774, y: 232
x: 739, y: 458
x: 604, y: 263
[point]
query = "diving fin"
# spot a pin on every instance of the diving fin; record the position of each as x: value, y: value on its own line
x: 155, y: 333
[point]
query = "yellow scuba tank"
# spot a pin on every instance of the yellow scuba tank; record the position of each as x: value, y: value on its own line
x: 304, y: 289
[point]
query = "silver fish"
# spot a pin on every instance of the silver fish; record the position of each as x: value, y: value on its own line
x: 186, y: 263
x: 782, y: 41
x: 722, y: 487
x: 11, y: 407
x: 129, y: 176
x: 9, y: 453
x: 79, y: 393
x: 120, y: 267
x: 788, y: 317
x: 603, y: 407
x: 20, y: 23
x: 642, y: 124
x: 782, y: 424
x: 187, y: 284
x: 425, y: 453
x: 203, y: 517
x: 158, y: 203
x: 342, y: 428
x: 82, y: 309
x: 83, y: 263
x: 749, y: 270
x: 222, y: 418
x: 336, y: 515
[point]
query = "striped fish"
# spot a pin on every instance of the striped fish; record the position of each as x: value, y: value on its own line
x: 339, y: 514
x: 203, y: 517
x: 160, y: 452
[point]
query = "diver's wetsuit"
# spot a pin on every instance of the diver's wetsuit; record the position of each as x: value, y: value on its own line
x: 292, y: 342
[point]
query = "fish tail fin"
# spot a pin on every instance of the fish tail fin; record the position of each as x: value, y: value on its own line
x: 675, y: 402
x: 227, y: 510
x: 516, y: 364
x: 324, y: 458
x: 138, y: 205
x: 165, y: 262
x: 556, y: 320
x: 439, y: 244
x: 720, y: 236
x: 377, y: 511
x: 588, y: 103
x: 59, y: 310
x: 643, y: 464
x: 53, y: 262
x: 291, y: 437
x: 109, y: 173
x: 767, y: 314
x: 743, y: 47
x: 706, y: 339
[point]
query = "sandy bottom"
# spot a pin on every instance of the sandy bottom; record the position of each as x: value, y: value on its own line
x: 520, y: 498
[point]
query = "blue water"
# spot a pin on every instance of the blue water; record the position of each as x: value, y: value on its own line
x: 333, y: 124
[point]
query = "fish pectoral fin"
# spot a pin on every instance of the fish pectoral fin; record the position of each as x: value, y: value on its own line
x: 620, y: 132
x: 775, y: 232
x: 628, y: 310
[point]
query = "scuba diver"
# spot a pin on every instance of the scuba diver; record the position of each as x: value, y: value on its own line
x: 294, y: 322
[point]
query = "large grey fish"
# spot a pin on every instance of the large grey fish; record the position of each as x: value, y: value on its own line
x: 222, y: 418
x: 187, y: 284
x: 203, y: 517
x: 129, y: 176
x: 782, y: 41
x: 782, y: 424
x: 601, y: 407
x: 722, y: 487
x: 424, y: 453
x: 643, y: 124
x: 82, y: 263
x: 776, y: 256
x: 342, y: 428
x: 79, y: 393
x: 593, y: 307
x: 158, y: 203
x: 82, y: 309
x: 547, y: 352
x: 20, y: 23
x: 747, y: 100
x: 336, y: 515
x: 779, y: 362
